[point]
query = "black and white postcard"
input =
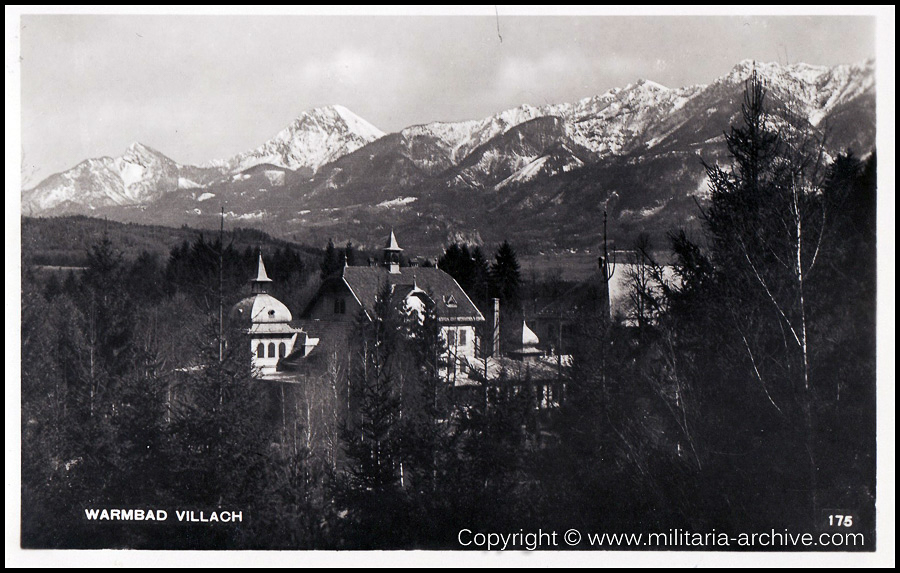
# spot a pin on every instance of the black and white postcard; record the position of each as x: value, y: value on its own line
x: 528, y: 285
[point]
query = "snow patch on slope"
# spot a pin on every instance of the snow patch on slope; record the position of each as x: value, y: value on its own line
x: 526, y: 173
x: 185, y: 183
x: 398, y: 202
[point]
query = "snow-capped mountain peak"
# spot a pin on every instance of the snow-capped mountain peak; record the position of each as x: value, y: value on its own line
x: 140, y: 175
x: 357, y: 124
x: 142, y: 154
x: 814, y: 90
x: 314, y: 138
x: 650, y: 84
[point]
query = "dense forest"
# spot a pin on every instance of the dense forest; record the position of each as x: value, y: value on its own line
x: 738, y: 396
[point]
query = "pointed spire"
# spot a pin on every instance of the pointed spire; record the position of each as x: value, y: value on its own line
x: 392, y: 243
x: 392, y: 254
x: 259, y: 284
x: 261, y: 275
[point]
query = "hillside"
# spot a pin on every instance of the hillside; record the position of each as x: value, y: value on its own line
x: 64, y: 241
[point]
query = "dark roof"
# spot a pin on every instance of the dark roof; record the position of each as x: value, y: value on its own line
x: 367, y: 282
x: 332, y: 335
x: 329, y: 332
x: 590, y: 296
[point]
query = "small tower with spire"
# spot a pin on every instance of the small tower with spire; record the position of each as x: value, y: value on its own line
x: 265, y: 323
x: 260, y: 284
x: 392, y: 254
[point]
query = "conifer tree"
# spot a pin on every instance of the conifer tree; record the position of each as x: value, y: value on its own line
x: 505, y: 273
x: 372, y: 492
x: 332, y: 261
x: 350, y: 254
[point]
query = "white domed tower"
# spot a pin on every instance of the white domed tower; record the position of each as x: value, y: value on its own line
x: 266, y: 321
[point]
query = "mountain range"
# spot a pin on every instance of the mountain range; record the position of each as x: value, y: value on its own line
x: 540, y: 176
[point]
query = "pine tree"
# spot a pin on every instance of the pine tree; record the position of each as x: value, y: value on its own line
x: 372, y: 491
x: 457, y: 262
x: 350, y: 254
x: 223, y: 438
x: 481, y: 278
x: 332, y: 262
x: 766, y: 225
x: 143, y: 279
x: 426, y: 404
x: 505, y: 273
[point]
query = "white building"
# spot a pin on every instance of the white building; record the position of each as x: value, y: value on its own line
x: 266, y: 322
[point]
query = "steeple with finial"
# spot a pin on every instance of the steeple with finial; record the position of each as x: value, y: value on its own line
x: 261, y: 283
x: 392, y: 254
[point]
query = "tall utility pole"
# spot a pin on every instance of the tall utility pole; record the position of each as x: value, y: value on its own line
x: 608, y: 273
x: 221, y: 287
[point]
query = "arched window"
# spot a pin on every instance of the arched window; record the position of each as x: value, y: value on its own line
x: 281, y: 350
x: 260, y: 350
x: 272, y: 350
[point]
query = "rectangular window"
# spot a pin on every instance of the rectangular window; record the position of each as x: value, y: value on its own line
x: 462, y: 337
x: 340, y: 306
x: 451, y: 337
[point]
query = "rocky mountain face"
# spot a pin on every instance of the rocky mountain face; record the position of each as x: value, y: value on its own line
x: 141, y: 175
x: 537, y: 175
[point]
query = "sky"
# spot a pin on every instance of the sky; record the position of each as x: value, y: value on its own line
x: 200, y: 87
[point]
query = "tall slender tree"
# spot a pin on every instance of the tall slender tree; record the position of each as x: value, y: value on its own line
x: 506, y: 276
x: 332, y: 260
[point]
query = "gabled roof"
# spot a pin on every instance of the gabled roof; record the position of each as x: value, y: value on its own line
x: 366, y: 282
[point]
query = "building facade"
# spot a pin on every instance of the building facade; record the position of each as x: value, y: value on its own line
x: 345, y: 296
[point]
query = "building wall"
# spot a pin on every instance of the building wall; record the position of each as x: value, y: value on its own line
x: 268, y: 363
x: 460, y: 339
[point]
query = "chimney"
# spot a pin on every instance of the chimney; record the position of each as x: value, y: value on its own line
x: 495, y: 329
